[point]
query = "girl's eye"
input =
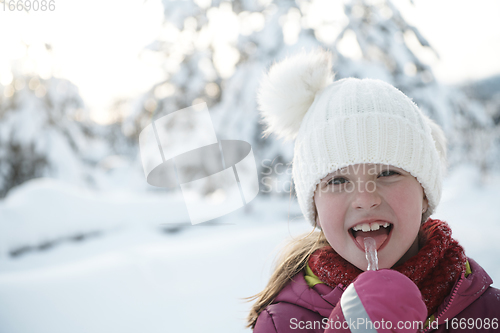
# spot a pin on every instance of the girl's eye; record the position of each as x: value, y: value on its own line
x: 337, y: 181
x: 388, y: 173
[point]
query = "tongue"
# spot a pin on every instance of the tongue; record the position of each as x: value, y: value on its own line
x: 378, y: 235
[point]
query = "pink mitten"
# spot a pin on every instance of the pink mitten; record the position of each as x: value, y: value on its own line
x: 379, y: 301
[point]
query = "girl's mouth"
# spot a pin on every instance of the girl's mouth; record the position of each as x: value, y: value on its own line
x: 380, y: 231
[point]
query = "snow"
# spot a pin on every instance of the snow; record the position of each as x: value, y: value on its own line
x: 149, y: 271
x: 45, y: 210
x: 160, y: 285
x: 470, y: 205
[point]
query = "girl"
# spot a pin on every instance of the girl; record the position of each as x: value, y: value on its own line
x: 368, y: 166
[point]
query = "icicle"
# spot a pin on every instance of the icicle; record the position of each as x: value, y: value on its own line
x: 371, y: 253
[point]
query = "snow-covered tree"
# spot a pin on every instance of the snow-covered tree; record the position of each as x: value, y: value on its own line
x: 44, y: 131
x: 216, y: 52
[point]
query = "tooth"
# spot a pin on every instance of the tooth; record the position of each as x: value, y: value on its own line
x: 365, y: 227
x: 355, y: 228
x: 386, y: 225
x: 375, y: 226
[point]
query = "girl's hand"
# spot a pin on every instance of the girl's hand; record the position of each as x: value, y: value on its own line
x: 379, y: 301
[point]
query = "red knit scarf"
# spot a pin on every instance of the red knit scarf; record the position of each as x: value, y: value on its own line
x: 434, y: 269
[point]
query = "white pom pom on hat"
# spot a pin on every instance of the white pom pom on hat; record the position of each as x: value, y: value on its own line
x: 288, y: 90
x: 347, y: 122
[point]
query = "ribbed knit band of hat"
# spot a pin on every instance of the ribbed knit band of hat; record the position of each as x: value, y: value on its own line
x: 336, y: 124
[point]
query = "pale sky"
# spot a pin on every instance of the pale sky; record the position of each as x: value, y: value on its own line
x: 466, y: 34
x: 95, y: 45
x: 96, y: 42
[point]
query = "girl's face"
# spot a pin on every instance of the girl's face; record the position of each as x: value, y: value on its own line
x: 371, y: 200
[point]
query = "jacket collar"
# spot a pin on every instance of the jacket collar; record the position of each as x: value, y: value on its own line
x: 320, y: 298
x: 465, y: 291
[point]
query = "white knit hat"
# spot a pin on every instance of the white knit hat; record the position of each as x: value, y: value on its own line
x: 348, y: 122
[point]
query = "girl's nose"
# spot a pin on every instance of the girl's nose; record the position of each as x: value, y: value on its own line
x: 366, y: 197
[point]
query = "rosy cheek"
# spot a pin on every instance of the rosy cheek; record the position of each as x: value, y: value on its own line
x: 403, y: 195
x: 405, y: 202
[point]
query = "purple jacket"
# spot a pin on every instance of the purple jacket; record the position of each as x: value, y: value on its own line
x: 472, y: 306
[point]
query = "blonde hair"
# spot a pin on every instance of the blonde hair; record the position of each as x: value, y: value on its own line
x: 292, y: 259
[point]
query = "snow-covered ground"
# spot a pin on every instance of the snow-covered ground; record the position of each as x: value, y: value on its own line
x: 141, y: 267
